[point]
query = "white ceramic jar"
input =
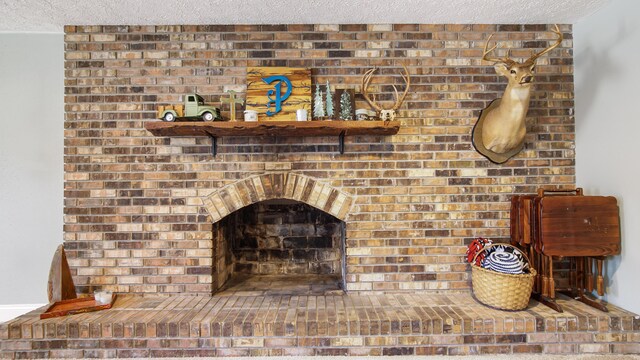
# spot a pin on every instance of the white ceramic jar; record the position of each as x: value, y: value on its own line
x: 250, y: 115
x: 301, y: 114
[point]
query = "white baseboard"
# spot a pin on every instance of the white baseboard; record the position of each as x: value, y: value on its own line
x: 8, y: 312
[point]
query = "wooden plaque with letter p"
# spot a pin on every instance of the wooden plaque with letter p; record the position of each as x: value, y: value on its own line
x: 276, y: 93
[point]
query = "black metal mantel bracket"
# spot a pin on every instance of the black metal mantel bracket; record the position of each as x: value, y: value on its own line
x: 214, y: 145
x: 341, y: 142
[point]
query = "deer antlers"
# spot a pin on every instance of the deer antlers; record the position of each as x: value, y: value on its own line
x: 366, y: 80
x: 534, y: 57
x: 507, y: 60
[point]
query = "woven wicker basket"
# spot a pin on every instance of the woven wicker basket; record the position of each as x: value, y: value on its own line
x: 502, y: 291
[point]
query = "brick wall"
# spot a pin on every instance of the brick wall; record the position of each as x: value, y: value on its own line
x: 137, y: 211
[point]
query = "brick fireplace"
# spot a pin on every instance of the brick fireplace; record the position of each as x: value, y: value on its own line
x: 140, y: 210
x: 281, y: 225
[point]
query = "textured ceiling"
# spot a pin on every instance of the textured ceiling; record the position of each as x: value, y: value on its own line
x: 52, y: 15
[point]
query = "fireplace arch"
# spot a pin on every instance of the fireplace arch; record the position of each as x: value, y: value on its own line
x: 291, y: 186
x: 281, y: 231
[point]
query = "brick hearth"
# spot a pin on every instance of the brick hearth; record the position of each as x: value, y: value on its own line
x: 355, y: 324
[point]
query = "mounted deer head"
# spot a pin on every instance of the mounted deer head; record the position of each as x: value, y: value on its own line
x: 385, y: 114
x: 499, y: 132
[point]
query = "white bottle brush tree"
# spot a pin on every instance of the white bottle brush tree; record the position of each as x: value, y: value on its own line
x: 330, y: 109
x: 318, y: 104
x: 345, y: 107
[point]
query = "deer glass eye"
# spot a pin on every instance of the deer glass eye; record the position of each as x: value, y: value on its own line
x: 513, y: 71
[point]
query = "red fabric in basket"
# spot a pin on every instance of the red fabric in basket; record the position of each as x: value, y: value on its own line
x: 476, y: 245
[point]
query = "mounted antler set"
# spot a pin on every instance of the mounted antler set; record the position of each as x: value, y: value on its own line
x: 500, y: 130
x: 385, y: 114
x: 529, y: 62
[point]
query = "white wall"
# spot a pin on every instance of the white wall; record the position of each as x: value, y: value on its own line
x: 607, y: 71
x: 31, y: 162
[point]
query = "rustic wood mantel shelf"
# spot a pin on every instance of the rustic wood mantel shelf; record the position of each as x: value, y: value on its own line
x: 216, y: 129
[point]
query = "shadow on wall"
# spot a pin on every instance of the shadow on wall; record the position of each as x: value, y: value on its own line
x: 613, y: 262
x: 598, y: 67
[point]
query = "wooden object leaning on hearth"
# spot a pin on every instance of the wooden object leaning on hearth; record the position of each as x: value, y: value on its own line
x: 557, y: 224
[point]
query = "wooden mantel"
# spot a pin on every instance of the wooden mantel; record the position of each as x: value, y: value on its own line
x: 272, y: 128
x: 216, y: 129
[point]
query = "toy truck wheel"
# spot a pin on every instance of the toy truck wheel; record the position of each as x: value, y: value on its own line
x: 169, y: 117
x: 207, y: 116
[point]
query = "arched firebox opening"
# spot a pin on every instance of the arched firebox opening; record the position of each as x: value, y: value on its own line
x: 279, y: 246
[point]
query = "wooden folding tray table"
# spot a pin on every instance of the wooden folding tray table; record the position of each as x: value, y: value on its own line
x: 559, y: 224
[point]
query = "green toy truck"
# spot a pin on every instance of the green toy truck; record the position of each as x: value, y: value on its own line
x: 194, y: 107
